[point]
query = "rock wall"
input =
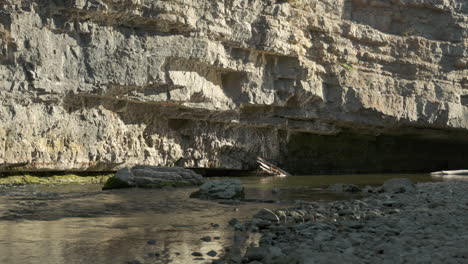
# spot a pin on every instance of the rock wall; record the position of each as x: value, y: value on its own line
x: 101, y: 84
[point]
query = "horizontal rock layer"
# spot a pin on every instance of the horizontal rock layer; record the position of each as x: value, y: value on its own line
x: 105, y: 84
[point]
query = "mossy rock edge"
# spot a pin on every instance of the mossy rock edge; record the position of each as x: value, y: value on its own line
x: 19, y: 180
x: 114, y: 183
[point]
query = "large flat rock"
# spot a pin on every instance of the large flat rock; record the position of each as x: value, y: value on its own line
x: 144, y: 176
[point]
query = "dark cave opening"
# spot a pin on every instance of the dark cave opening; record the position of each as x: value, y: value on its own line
x: 358, y: 153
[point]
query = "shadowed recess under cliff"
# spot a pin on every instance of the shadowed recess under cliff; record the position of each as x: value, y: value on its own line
x: 358, y: 153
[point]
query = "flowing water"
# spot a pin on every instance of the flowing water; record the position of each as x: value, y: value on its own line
x: 82, y: 224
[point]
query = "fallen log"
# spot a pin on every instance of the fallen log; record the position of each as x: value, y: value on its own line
x: 271, y: 169
x: 450, y: 172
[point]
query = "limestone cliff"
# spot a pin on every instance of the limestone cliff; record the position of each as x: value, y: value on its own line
x: 361, y: 85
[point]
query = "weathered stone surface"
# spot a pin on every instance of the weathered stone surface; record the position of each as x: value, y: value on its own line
x: 153, y: 177
x: 102, y: 85
x: 265, y: 214
x: 220, y: 189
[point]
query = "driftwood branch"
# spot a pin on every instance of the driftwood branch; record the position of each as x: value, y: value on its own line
x: 271, y: 169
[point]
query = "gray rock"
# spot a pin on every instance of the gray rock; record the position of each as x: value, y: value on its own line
x: 151, y: 242
x: 257, y: 253
x: 266, y: 214
x: 261, y: 223
x: 391, y: 203
x: 233, y: 222
x: 153, y: 177
x: 398, y: 185
x: 220, y: 189
x: 275, y: 252
x: 206, y: 238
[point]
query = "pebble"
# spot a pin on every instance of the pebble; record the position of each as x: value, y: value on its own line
x: 151, y: 242
x: 206, y: 238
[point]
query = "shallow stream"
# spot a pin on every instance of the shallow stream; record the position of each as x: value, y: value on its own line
x: 82, y: 224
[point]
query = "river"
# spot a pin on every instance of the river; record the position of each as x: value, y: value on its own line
x: 82, y: 224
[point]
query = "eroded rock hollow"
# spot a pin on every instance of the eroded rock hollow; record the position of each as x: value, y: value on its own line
x: 313, y: 85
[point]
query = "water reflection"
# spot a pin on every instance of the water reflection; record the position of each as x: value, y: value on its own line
x: 47, y: 225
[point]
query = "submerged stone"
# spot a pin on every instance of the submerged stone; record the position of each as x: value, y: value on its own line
x: 220, y: 189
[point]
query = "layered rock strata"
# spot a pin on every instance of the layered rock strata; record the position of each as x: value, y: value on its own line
x: 101, y: 84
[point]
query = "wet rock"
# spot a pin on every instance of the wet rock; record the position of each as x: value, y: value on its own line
x: 266, y: 214
x: 391, y: 203
x: 153, y: 177
x: 154, y: 255
x: 197, y: 254
x: 261, y: 223
x: 239, y: 226
x: 275, y: 252
x: 214, y: 225
x: 212, y: 253
x: 151, y: 242
x: 206, y: 238
x: 340, y: 188
x: 220, y: 189
x: 345, y: 212
x: 233, y: 222
x: 256, y: 253
x: 398, y: 185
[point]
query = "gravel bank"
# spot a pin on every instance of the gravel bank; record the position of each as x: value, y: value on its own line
x: 426, y: 225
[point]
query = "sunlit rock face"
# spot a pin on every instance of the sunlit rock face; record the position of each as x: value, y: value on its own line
x: 105, y: 84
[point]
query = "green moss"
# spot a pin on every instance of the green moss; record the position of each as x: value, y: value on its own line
x: 56, y: 179
x: 347, y: 66
x: 114, y: 183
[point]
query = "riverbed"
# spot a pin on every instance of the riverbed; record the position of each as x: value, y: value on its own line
x: 82, y: 224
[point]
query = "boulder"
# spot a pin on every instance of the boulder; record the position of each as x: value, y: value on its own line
x: 398, y: 185
x: 266, y: 214
x: 153, y: 177
x: 220, y: 189
x: 256, y: 253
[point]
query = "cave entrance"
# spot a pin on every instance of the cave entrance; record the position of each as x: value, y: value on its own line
x: 358, y: 153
